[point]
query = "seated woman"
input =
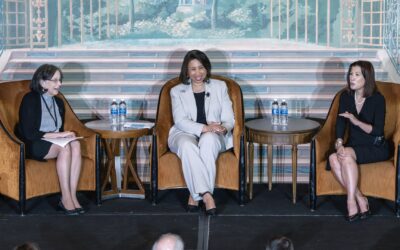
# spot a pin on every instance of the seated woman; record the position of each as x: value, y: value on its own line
x: 41, y: 115
x: 203, y: 121
x: 361, y: 107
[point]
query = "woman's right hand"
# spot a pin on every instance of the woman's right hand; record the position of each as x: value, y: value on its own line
x: 65, y: 134
x: 214, y: 127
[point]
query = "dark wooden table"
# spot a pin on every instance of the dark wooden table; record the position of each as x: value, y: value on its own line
x: 111, y: 136
x: 298, y: 131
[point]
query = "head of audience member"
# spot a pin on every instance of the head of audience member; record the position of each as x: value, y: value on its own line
x: 368, y: 73
x: 47, y: 78
x: 194, y: 55
x: 280, y: 243
x: 27, y: 246
x: 168, y: 241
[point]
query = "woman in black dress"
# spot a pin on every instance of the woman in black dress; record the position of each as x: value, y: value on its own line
x: 41, y: 115
x: 362, y: 110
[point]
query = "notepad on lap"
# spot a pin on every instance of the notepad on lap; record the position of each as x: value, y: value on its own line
x: 62, y: 141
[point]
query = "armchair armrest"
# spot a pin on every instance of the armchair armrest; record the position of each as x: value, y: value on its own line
x: 72, y: 123
x: 10, y: 159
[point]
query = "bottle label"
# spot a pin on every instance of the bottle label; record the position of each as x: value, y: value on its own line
x: 284, y: 111
x: 275, y: 111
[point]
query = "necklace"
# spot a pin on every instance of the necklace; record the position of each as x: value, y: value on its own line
x: 358, y: 102
x: 197, y: 88
x: 53, y: 105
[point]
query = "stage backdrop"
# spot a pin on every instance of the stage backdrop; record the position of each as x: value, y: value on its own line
x: 298, y: 50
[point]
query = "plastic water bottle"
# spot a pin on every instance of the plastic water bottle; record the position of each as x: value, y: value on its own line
x: 284, y: 113
x: 275, y: 112
x: 122, y: 111
x: 114, y: 112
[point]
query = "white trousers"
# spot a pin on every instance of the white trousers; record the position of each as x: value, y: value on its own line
x: 198, y: 157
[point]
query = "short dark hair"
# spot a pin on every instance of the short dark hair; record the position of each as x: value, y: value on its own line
x: 44, y: 72
x: 203, y: 59
x: 368, y: 72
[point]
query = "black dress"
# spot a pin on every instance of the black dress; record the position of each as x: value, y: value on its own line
x: 367, y: 147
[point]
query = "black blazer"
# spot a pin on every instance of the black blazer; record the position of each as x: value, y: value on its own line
x: 30, y: 116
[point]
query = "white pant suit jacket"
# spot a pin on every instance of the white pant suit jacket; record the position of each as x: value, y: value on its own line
x: 198, y: 152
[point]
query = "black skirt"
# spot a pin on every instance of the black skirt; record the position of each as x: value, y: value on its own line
x: 37, y: 149
x: 372, y: 153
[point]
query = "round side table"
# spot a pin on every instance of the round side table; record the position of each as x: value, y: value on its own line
x: 111, y: 136
x: 298, y: 131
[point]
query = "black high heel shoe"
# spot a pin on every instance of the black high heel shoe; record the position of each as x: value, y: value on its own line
x: 80, y: 210
x: 211, y: 211
x: 366, y: 214
x: 351, y: 218
x: 192, y: 208
x: 61, y: 207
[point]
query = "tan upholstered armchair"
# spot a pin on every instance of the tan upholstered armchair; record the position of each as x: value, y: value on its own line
x: 21, y: 178
x: 376, y: 179
x: 166, y: 170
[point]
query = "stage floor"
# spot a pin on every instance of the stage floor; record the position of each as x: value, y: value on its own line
x: 136, y: 224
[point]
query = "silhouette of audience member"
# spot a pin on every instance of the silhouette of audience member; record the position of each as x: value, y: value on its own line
x: 169, y: 241
x: 28, y: 246
x: 280, y: 243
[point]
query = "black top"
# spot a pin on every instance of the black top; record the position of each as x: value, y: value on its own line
x: 30, y: 117
x: 372, y: 112
x: 201, y: 113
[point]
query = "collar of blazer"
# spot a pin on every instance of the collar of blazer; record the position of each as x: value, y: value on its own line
x: 188, y: 99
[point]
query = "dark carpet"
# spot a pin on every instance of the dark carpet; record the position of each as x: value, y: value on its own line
x: 136, y: 224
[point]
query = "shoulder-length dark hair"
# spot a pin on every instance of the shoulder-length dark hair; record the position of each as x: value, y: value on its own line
x: 368, y: 72
x: 44, y: 72
x: 203, y: 59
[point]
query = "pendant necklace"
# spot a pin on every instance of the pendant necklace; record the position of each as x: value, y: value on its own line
x: 54, y: 118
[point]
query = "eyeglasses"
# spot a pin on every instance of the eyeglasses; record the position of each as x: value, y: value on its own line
x: 55, y: 80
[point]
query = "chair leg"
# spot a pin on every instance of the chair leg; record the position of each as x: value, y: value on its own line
x: 242, y: 172
x: 22, y: 186
x: 154, y: 171
x: 21, y: 205
x: 312, y: 184
x: 97, y: 171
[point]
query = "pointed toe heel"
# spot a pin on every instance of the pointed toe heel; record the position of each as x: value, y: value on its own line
x: 354, y: 217
x: 60, y: 207
x: 211, y: 212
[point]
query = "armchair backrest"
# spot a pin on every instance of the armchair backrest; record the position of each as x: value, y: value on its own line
x: 164, y: 119
x: 11, y: 94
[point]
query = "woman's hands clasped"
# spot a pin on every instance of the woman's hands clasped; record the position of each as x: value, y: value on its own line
x: 214, y: 127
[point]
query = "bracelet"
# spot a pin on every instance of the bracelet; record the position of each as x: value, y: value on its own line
x: 338, y: 143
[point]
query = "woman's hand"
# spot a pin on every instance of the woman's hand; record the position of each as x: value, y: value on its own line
x: 351, y: 117
x: 341, y: 152
x: 214, y: 127
x: 65, y: 134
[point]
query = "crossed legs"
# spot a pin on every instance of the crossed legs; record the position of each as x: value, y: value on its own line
x: 345, y: 170
x: 68, y: 169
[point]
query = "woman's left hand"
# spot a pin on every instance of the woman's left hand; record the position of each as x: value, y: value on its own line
x: 217, y: 128
x: 351, y: 117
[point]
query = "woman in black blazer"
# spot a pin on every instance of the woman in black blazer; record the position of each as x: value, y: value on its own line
x: 41, y: 115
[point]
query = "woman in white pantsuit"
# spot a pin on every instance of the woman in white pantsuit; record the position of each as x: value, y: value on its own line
x: 203, y: 123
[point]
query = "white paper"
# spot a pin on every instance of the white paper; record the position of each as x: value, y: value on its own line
x: 138, y: 124
x: 62, y: 141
